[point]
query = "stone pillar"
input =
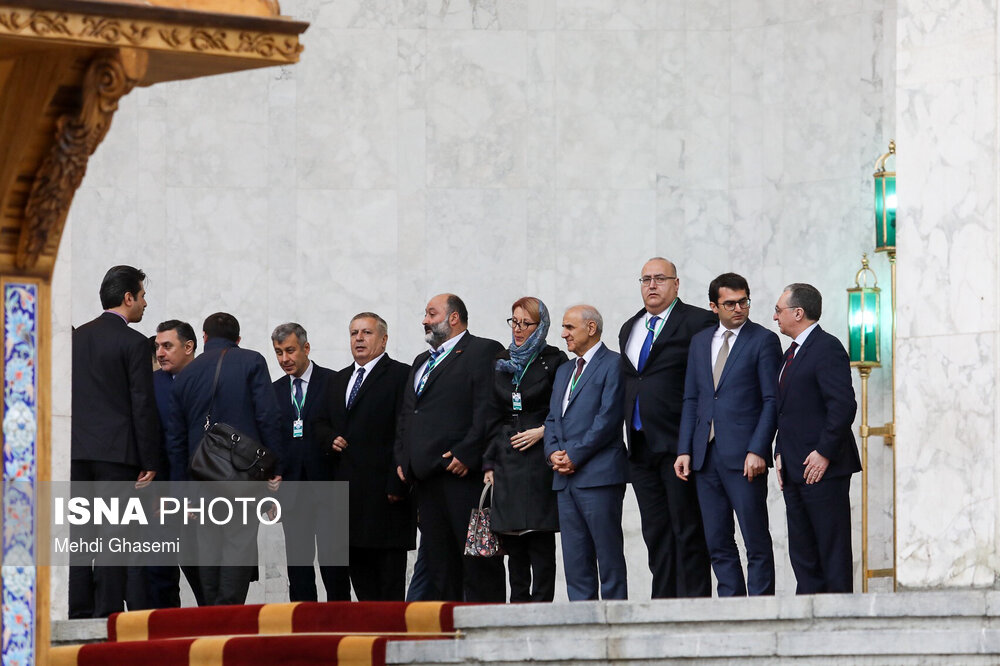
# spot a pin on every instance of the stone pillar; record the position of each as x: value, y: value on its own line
x: 947, y: 169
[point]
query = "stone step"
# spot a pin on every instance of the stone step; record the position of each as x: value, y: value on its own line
x: 951, y: 627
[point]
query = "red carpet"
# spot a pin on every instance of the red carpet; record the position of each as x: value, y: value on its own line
x: 341, y: 633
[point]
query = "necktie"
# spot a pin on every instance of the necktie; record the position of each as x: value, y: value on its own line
x: 576, y: 375
x: 789, y: 355
x: 643, y: 357
x: 298, y: 391
x: 356, y: 387
x: 427, y: 371
x: 720, y: 364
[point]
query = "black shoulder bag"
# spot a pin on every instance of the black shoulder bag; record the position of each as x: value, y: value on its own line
x: 226, y: 454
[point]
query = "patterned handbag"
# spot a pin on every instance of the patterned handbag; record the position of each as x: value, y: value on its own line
x: 480, y: 541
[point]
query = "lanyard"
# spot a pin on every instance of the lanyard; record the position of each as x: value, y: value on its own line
x: 574, y: 380
x: 663, y: 319
x: 517, y: 380
x: 298, y: 405
x: 427, y: 371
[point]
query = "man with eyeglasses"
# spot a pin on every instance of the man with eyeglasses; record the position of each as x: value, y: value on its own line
x: 654, y: 346
x: 816, y: 453
x: 727, y: 427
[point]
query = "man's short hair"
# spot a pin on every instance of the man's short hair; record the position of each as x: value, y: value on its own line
x: 729, y: 281
x: 455, y: 304
x: 184, y: 330
x: 222, y: 325
x: 118, y: 281
x: 152, y: 345
x: 282, y: 331
x: 590, y: 313
x: 807, y: 297
x: 383, y: 328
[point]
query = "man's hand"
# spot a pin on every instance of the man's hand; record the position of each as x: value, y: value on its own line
x: 145, y: 477
x: 273, y: 483
x: 456, y: 466
x: 394, y: 499
x: 682, y: 466
x: 339, y: 444
x: 815, y: 467
x: 399, y: 473
x: 561, y: 463
x: 754, y: 466
x: 777, y: 472
x: 488, y: 477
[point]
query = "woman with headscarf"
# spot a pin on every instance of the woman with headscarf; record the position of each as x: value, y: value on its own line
x: 524, y: 505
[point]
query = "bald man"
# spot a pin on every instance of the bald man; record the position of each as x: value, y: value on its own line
x: 440, y: 441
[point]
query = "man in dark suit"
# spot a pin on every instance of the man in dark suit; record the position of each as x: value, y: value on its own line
x: 365, y: 401
x: 654, y: 346
x: 726, y: 432
x: 245, y: 400
x: 441, y: 438
x: 816, y: 452
x: 116, y: 432
x: 583, y: 444
x: 302, y: 397
x: 175, y: 345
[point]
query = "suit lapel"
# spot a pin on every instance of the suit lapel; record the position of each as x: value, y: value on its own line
x: 588, y: 373
x: 796, y: 362
x: 626, y: 333
x: 314, y: 392
x: 446, y: 362
x: 670, y: 327
x: 742, y: 340
x: 378, y: 370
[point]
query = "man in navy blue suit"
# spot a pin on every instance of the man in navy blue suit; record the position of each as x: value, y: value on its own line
x: 584, y: 446
x: 816, y: 452
x: 727, y: 426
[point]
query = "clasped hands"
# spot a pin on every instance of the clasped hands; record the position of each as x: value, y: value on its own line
x: 561, y: 463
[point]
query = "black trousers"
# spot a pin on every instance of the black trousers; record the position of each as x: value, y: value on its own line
x: 378, y: 574
x: 531, y: 565
x: 96, y: 590
x: 445, y: 502
x: 304, y: 535
x: 819, y: 535
x: 671, y: 524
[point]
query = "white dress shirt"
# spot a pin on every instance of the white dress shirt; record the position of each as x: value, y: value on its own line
x: 717, y: 340
x: 800, y: 340
x: 639, y: 331
x: 368, y: 370
x: 586, y: 366
x: 446, y: 347
x: 306, y: 376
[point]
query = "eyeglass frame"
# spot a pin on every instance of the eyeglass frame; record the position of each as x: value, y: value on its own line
x: 520, y: 325
x: 730, y: 306
x: 646, y: 280
x: 778, y: 308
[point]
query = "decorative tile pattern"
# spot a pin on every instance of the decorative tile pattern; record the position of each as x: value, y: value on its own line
x: 20, y: 429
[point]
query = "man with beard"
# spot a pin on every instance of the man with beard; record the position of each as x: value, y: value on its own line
x: 440, y: 441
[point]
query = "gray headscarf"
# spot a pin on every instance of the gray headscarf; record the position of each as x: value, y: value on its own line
x: 521, y: 356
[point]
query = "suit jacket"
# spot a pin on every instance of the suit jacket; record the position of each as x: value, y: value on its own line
x: 743, y: 407
x: 451, y: 412
x: 163, y: 383
x: 816, y: 409
x: 113, y: 398
x: 306, y: 457
x: 244, y: 400
x: 368, y: 463
x: 591, y: 429
x: 660, y: 385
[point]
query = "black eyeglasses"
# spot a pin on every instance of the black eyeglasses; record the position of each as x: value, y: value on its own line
x: 521, y: 325
x: 658, y: 279
x: 744, y: 304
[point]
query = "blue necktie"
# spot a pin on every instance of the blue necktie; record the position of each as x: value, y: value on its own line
x: 298, y: 391
x: 643, y: 356
x: 427, y: 371
x: 356, y: 387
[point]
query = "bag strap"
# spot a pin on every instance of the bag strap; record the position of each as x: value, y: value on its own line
x: 488, y: 488
x: 215, y: 385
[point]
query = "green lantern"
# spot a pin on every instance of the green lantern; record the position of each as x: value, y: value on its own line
x: 863, y: 318
x: 885, y: 204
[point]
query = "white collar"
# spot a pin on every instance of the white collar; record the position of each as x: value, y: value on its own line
x: 369, y: 365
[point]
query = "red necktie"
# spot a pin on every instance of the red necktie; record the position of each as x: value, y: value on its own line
x: 789, y: 355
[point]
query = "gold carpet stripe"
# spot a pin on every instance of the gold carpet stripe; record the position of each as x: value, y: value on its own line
x: 355, y: 650
x: 132, y: 626
x: 207, y: 651
x: 424, y: 616
x: 276, y: 618
x: 66, y: 655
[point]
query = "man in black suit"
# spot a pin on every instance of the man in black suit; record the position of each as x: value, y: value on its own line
x: 245, y: 400
x: 116, y: 432
x: 365, y: 401
x: 302, y: 399
x: 816, y: 452
x: 175, y: 348
x: 654, y: 346
x: 441, y: 438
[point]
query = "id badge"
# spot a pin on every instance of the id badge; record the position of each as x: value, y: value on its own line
x: 297, y: 428
x: 516, y: 397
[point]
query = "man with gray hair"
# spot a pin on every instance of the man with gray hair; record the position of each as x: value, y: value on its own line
x: 584, y: 447
x: 303, y: 403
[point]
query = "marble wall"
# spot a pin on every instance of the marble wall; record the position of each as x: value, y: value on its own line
x: 947, y: 114
x: 495, y: 149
